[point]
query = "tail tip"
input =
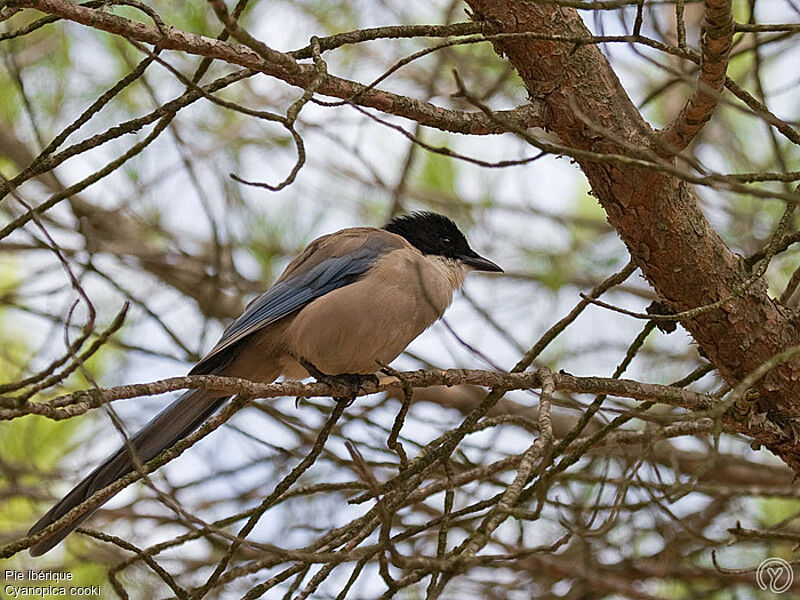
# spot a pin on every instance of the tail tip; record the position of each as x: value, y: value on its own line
x: 46, y: 544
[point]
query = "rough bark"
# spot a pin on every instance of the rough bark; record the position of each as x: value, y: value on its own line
x: 657, y: 216
x: 716, y: 40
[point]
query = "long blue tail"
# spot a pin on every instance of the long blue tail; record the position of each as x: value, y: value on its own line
x: 171, y: 425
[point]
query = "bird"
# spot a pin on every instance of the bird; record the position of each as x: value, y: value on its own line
x: 349, y: 302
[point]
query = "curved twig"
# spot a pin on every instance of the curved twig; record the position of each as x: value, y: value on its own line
x: 716, y: 38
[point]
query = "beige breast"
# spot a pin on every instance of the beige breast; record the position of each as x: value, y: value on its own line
x: 352, y: 328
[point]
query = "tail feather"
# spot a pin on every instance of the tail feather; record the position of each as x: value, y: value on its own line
x: 171, y: 425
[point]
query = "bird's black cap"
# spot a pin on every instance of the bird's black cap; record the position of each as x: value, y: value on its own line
x: 432, y: 233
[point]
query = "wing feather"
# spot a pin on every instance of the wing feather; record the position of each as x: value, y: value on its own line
x: 306, y: 279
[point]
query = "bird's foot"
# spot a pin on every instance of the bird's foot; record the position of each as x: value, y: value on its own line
x: 354, y: 381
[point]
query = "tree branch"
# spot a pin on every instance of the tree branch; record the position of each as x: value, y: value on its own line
x: 285, y: 68
x: 657, y: 216
x: 716, y: 38
x: 76, y: 403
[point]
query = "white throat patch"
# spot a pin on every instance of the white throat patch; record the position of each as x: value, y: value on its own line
x: 452, y: 270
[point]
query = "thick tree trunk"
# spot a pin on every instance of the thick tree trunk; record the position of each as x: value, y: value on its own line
x: 657, y: 216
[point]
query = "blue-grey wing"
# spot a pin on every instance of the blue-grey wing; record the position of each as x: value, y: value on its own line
x: 291, y: 293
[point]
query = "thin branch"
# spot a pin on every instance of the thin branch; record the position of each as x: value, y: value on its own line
x: 716, y: 39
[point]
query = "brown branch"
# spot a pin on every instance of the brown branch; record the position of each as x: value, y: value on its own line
x: 436, y: 482
x: 716, y: 39
x: 77, y: 403
x: 282, y: 66
x: 656, y: 215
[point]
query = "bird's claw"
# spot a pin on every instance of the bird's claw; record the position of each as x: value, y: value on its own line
x: 354, y: 381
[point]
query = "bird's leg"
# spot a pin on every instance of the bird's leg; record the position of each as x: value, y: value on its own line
x: 312, y: 370
x: 355, y: 381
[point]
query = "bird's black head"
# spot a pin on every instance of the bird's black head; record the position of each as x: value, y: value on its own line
x: 435, y: 234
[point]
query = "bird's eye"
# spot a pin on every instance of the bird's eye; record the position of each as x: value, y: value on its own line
x: 446, y: 241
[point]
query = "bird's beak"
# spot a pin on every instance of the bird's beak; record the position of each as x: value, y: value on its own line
x: 477, y: 262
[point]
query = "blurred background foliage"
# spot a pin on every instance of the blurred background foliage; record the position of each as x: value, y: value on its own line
x: 33, y: 448
x: 172, y: 234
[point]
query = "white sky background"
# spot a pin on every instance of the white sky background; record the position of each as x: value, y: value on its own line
x: 319, y: 202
